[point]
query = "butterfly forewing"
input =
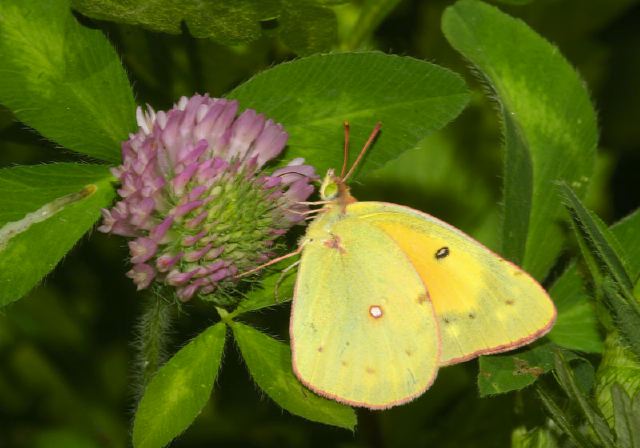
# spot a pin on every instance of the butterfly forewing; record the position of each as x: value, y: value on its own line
x: 483, y: 303
x: 362, y: 330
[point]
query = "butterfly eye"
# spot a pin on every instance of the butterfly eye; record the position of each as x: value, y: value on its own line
x: 442, y: 253
x: 329, y: 191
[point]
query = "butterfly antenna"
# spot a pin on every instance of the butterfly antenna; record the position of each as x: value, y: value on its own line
x: 366, y: 146
x: 292, y: 172
x: 345, y: 160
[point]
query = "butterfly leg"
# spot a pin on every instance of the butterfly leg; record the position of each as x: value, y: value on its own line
x: 281, y: 278
x: 314, y: 202
x: 306, y: 212
x: 270, y: 262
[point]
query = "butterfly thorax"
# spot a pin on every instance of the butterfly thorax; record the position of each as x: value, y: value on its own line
x: 336, y: 194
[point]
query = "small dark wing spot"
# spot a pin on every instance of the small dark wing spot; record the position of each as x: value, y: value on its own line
x: 320, y: 349
x: 472, y: 316
x: 335, y: 243
x: 344, y: 363
x: 442, y: 253
x: 347, y: 343
x: 371, y: 370
x: 422, y: 298
x: 446, y: 320
x: 408, y: 352
x: 509, y: 302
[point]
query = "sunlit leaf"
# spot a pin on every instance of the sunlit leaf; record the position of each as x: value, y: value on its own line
x: 269, y: 362
x: 44, y: 210
x: 549, y: 124
x: 178, y: 392
x: 313, y: 96
x: 63, y: 79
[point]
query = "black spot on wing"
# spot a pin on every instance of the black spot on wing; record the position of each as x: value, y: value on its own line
x: 441, y: 253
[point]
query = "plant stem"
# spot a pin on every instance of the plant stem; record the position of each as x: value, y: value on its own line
x: 153, y: 330
x: 372, y: 13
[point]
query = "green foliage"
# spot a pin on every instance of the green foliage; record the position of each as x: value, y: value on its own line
x: 313, y: 96
x: 537, y: 438
x: 577, y: 327
x: 543, y: 144
x: 608, y: 266
x: 549, y: 125
x: 269, y: 362
x: 306, y: 26
x: 504, y: 373
x: 626, y: 417
x: 44, y: 210
x: 570, y: 383
x: 618, y: 369
x: 178, y: 392
x: 372, y: 12
x: 63, y: 79
x: 599, y: 241
x: 274, y: 289
x: 618, y: 366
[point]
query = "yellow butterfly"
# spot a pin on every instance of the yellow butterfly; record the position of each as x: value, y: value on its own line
x: 386, y: 295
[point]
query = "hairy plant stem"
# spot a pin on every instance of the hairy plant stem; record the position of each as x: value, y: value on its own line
x: 153, y: 334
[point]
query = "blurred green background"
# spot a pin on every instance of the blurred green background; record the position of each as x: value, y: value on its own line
x: 66, y: 349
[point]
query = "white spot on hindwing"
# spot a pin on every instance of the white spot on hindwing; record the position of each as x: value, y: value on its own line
x: 375, y: 311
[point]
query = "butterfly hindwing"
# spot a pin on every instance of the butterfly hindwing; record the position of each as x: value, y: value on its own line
x: 483, y: 303
x: 362, y: 329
